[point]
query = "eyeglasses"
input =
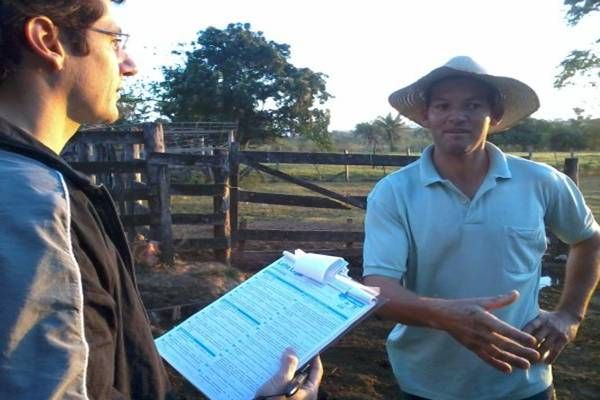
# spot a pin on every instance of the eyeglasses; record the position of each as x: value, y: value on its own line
x: 120, y: 39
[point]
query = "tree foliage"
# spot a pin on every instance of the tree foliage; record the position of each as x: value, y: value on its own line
x: 235, y: 74
x: 525, y: 136
x: 393, y: 131
x: 538, y: 134
x: 392, y: 127
x: 578, y: 9
x: 135, y: 104
x: 371, y: 133
x: 580, y: 62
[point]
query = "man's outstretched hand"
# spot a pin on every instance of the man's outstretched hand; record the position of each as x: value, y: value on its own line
x: 501, y: 345
x: 275, y: 387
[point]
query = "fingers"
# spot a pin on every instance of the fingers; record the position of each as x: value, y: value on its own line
x: 500, y: 365
x: 505, y: 354
x: 289, y: 364
x: 501, y: 328
x: 276, y: 384
x: 552, y: 345
x: 492, y: 303
x: 499, y: 344
x: 553, y: 331
x: 514, y: 353
x: 310, y: 388
x: 316, y: 372
x: 524, y: 339
x: 552, y: 349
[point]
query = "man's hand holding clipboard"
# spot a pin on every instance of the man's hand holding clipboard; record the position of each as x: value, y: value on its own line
x: 289, y: 384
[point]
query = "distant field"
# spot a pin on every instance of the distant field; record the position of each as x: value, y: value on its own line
x: 589, y: 163
x: 590, y: 186
x: 362, y: 179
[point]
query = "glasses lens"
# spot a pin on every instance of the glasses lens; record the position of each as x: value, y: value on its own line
x: 123, y: 38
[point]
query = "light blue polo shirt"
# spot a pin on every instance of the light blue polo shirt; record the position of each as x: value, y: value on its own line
x: 419, y: 227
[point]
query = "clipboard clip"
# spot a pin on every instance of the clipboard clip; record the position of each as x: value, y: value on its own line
x: 297, y: 381
x: 319, y: 267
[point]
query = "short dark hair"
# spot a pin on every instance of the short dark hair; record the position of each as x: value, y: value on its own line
x: 494, y: 97
x: 72, y: 16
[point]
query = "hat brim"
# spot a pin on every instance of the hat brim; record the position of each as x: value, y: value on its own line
x: 518, y: 99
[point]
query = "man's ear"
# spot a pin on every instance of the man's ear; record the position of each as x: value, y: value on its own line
x: 42, y: 37
x: 495, y: 121
x: 497, y: 115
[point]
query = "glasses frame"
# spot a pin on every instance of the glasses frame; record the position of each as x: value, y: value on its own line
x: 122, y: 37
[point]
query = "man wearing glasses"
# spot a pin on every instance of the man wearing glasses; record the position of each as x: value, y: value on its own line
x: 72, y: 324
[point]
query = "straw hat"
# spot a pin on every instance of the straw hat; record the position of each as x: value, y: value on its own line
x: 518, y: 99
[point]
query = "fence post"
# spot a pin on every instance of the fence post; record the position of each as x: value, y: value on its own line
x: 131, y: 152
x: 102, y: 155
x: 167, y: 252
x: 221, y: 206
x: 347, y: 167
x: 241, y: 244
x: 349, y: 222
x: 571, y: 169
x: 85, y: 152
x: 157, y: 179
x: 234, y: 179
x: 154, y: 138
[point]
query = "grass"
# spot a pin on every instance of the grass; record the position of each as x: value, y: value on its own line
x: 589, y: 162
x: 590, y: 186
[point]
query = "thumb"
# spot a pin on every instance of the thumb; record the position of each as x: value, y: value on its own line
x: 289, y: 364
x: 276, y: 384
x: 492, y: 303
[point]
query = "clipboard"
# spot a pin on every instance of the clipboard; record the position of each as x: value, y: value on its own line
x: 305, y: 301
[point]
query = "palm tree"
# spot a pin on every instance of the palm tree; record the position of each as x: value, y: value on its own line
x: 392, y: 126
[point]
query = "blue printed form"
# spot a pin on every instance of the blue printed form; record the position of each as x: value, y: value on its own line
x: 233, y: 346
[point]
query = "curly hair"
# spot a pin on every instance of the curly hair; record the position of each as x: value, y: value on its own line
x: 72, y: 16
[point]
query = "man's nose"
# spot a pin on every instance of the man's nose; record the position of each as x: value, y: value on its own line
x: 457, y: 115
x: 127, y: 66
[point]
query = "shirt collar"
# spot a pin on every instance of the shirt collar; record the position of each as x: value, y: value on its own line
x: 19, y: 141
x: 498, y: 165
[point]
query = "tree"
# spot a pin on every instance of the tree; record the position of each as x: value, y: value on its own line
x: 567, y: 140
x: 591, y: 131
x: 586, y: 62
x: 392, y: 126
x: 236, y: 74
x: 580, y: 8
x: 135, y: 104
x: 526, y: 135
x: 371, y: 133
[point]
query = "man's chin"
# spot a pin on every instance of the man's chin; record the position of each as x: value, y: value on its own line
x: 109, y: 118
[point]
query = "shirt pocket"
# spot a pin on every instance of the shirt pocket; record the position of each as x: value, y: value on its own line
x: 524, y: 248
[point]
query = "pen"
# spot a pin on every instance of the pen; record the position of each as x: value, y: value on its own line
x: 296, y: 383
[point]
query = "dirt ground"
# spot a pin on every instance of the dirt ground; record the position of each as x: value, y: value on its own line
x: 356, y: 367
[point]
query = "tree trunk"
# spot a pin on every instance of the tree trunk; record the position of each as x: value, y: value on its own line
x: 391, y: 140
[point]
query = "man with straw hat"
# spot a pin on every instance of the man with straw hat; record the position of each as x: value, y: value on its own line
x: 455, y: 241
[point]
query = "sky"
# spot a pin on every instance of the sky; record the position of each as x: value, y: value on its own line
x: 368, y: 49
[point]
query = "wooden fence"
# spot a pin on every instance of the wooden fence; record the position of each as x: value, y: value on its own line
x: 136, y: 168
x: 326, y: 199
